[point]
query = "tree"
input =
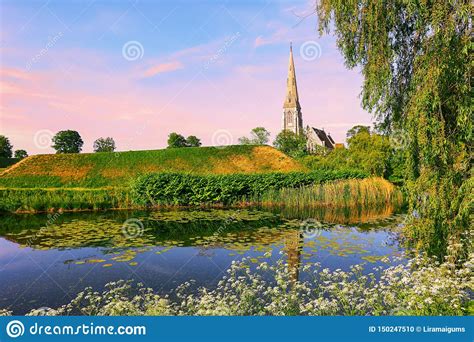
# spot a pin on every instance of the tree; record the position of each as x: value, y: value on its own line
x: 176, y: 140
x: 5, y: 147
x: 245, y: 141
x: 193, y: 141
x: 416, y: 60
x: 369, y: 152
x: 291, y: 143
x: 356, y: 130
x: 104, y: 145
x: 258, y: 136
x: 20, y: 154
x: 67, y: 142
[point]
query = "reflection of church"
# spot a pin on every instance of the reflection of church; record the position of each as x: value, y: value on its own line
x: 293, y: 118
x: 293, y: 247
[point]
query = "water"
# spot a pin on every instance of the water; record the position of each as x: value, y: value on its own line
x: 45, y: 260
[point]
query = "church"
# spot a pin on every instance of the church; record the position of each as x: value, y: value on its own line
x: 293, y: 117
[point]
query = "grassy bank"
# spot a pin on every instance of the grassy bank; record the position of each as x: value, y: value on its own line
x: 233, y: 175
x: 117, y: 169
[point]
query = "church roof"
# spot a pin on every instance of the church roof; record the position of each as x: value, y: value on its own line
x: 291, y: 99
x: 324, y: 137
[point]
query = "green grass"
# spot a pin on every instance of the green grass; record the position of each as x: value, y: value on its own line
x: 98, y: 170
x: 36, y: 200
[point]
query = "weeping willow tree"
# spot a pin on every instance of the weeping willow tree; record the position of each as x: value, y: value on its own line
x: 415, y: 56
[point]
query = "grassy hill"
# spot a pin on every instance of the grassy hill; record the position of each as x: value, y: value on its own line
x: 96, y: 170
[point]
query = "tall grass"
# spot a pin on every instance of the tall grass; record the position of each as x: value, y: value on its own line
x: 341, y: 193
x: 35, y: 200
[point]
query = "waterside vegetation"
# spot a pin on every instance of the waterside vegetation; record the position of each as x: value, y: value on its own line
x: 179, y: 189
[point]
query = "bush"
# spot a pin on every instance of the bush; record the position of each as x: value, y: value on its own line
x: 6, y: 162
x: 186, y: 189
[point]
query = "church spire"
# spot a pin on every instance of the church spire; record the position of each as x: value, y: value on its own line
x: 291, y: 100
x: 292, y: 116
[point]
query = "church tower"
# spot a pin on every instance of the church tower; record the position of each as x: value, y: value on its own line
x: 292, y: 117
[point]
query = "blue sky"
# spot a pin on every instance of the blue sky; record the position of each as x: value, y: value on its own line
x: 202, y: 68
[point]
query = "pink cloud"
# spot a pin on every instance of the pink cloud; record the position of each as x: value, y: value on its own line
x: 97, y: 102
x: 162, y: 68
x: 13, y: 73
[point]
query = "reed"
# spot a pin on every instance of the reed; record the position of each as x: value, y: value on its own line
x: 37, y: 200
x: 340, y: 193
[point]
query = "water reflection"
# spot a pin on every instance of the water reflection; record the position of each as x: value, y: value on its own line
x: 45, y: 263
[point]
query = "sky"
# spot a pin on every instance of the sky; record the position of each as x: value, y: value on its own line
x: 136, y: 70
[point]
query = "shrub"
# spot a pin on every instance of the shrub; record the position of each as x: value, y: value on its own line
x: 186, y: 189
x: 6, y: 162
